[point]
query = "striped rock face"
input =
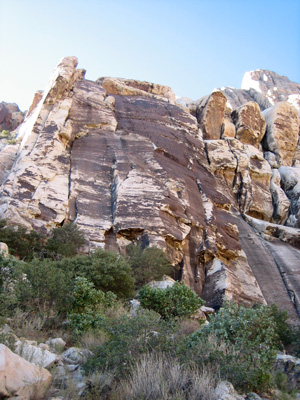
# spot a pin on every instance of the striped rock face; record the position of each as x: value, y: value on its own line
x: 126, y: 163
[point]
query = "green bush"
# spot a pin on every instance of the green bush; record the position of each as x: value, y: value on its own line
x: 245, y: 343
x: 10, y: 276
x: 130, y: 337
x: 148, y: 264
x: 89, y: 305
x: 108, y: 271
x: 64, y: 242
x: 47, y: 288
x: 175, y: 301
x: 20, y: 243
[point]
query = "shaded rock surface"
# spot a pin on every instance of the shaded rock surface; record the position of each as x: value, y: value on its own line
x: 123, y: 161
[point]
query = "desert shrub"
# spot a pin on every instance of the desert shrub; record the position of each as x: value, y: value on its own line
x: 147, y: 264
x: 4, y: 133
x: 244, y: 345
x: 128, y: 338
x: 89, y: 305
x: 175, y: 301
x: 20, y: 243
x: 46, y: 288
x: 159, y: 376
x: 10, y: 276
x: 107, y: 270
x: 64, y: 241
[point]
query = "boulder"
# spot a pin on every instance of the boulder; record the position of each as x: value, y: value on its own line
x: 4, y: 249
x: 282, y: 132
x: 56, y: 345
x: 211, y: 113
x: 162, y: 284
x: 290, y: 366
x: 226, y: 391
x: 75, y: 355
x: 35, y: 354
x: 10, y: 116
x: 19, y: 377
x: 250, y: 124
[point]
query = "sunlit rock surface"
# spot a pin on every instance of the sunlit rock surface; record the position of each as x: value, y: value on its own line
x: 124, y: 162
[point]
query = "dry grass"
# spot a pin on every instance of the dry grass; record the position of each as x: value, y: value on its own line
x: 157, y: 376
x: 91, y: 340
x: 32, y: 326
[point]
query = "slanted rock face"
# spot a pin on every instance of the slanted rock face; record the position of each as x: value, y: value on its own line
x: 210, y: 115
x: 282, y: 133
x: 126, y: 166
x: 250, y: 124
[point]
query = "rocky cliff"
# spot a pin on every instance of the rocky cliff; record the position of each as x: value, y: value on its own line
x: 127, y: 163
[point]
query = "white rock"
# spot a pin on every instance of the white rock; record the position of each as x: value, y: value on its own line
x: 35, y: 354
x: 56, y: 345
x: 75, y: 355
x: 163, y: 284
x: 226, y: 391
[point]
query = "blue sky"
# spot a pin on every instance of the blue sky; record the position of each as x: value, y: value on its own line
x: 192, y: 46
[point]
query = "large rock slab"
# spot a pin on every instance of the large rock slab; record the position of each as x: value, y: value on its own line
x: 131, y: 87
x: 211, y: 113
x: 123, y: 162
x: 250, y: 124
x: 282, y: 133
x: 19, y: 377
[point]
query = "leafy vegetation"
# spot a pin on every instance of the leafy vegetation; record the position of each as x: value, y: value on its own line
x: 243, y: 341
x: 177, y: 301
x: 50, y: 283
x: 148, y: 264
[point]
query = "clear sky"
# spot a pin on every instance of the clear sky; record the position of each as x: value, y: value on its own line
x: 192, y: 45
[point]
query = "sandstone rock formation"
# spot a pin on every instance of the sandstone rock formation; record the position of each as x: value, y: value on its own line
x: 124, y: 162
x: 10, y: 116
x: 210, y: 114
x: 250, y: 124
x: 19, y: 377
x: 282, y: 133
x: 264, y: 87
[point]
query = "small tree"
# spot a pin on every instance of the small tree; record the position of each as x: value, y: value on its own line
x: 148, y: 264
x: 176, y: 301
x: 64, y: 241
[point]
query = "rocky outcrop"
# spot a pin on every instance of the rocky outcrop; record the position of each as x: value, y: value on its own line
x: 264, y: 87
x: 282, y: 134
x: 250, y: 124
x: 290, y: 181
x: 274, y: 87
x: 10, y: 116
x: 19, y: 377
x: 210, y: 114
x: 126, y: 163
x: 130, y: 87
